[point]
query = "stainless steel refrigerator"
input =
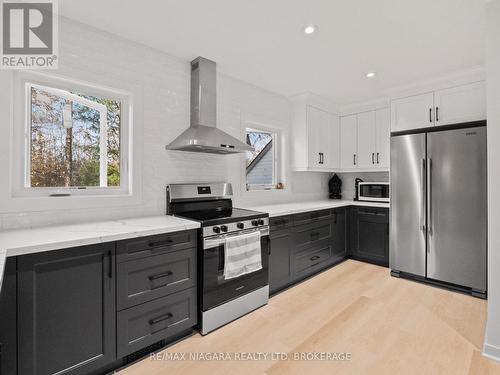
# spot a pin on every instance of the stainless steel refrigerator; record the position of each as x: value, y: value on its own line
x: 438, y: 223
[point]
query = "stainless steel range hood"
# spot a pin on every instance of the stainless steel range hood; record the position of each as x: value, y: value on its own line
x: 202, y: 135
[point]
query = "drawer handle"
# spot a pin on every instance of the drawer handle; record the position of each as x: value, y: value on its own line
x: 160, y: 243
x: 160, y: 275
x: 315, y: 236
x: 160, y: 319
x: 315, y: 257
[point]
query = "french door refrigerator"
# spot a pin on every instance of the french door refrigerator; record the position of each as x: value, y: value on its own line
x: 438, y: 218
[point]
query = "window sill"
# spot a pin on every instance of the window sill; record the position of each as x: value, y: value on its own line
x: 258, y: 190
x: 47, y: 203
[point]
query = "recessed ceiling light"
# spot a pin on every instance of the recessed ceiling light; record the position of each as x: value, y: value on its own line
x: 309, y: 29
x: 370, y: 74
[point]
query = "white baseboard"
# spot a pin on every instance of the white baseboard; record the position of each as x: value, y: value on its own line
x: 491, y: 352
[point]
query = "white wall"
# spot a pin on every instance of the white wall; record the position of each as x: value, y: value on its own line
x: 492, y: 340
x: 160, y: 87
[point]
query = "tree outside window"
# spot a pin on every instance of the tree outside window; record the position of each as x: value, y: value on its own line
x: 75, y: 139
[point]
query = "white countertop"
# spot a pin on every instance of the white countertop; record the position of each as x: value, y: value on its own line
x: 35, y: 240
x: 29, y: 241
x: 298, y: 207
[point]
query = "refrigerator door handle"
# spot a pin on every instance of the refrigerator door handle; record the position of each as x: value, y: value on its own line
x: 422, y: 208
x: 429, y: 197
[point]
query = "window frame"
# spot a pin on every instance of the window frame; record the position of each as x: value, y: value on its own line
x: 276, y: 139
x: 22, y: 114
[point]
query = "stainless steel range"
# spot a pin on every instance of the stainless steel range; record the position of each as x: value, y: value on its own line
x: 222, y: 299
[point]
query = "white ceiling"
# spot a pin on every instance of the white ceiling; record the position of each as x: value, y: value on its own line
x: 261, y: 41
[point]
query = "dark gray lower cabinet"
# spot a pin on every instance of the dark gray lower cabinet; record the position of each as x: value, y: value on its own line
x: 153, y: 321
x: 145, y: 279
x: 304, y: 244
x: 339, y: 234
x: 66, y: 311
x: 8, y: 319
x: 369, y: 235
x: 306, y: 262
x: 280, y: 272
x: 307, y: 243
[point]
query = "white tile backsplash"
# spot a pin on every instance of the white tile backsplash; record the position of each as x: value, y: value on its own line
x: 160, y: 85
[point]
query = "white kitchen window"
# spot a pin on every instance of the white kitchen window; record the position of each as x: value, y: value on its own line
x: 75, y: 141
x: 262, y: 165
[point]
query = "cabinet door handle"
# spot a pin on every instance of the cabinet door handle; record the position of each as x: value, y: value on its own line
x: 314, y: 257
x: 430, y: 115
x: 160, y: 319
x: 160, y: 275
x: 437, y: 114
x: 354, y: 159
x: 319, y: 156
x: 373, y: 158
x: 110, y: 265
x: 377, y: 158
x: 168, y: 241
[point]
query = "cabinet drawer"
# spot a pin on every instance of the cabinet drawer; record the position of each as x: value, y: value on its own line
x: 143, y: 325
x: 145, y: 279
x: 380, y: 212
x: 308, y: 217
x: 280, y: 222
x: 311, y: 260
x: 142, y: 247
x: 310, y: 234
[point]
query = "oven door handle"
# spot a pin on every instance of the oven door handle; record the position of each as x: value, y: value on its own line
x: 215, y: 241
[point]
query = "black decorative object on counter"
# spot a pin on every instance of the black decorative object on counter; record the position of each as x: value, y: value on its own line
x: 335, y: 187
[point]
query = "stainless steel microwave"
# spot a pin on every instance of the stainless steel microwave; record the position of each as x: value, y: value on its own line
x: 373, y: 191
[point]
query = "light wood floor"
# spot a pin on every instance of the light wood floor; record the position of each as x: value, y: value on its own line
x: 389, y: 325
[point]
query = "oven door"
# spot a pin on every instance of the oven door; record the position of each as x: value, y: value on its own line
x: 373, y: 192
x: 215, y: 289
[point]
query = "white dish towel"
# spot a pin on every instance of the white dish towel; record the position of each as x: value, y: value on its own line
x: 242, y: 255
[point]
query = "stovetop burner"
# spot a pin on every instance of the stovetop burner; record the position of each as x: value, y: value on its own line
x: 215, y: 217
x: 212, y: 206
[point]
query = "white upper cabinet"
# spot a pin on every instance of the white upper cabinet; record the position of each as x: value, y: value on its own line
x: 366, y: 140
x: 453, y: 105
x: 460, y: 104
x: 332, y: 158
x: 324, y: 142
x: 315, y: 138
x: 315, y: 126
x: 323, y: 139
x: 412, y: 112
x: 348, y: 142
x: 383, y: 138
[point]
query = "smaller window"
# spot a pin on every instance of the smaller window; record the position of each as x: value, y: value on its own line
x: 262, y: 164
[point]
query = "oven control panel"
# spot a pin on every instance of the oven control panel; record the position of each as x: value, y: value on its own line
x: 235, y: 226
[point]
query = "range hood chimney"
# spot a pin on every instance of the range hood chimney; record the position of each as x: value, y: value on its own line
x: 203, y: 135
